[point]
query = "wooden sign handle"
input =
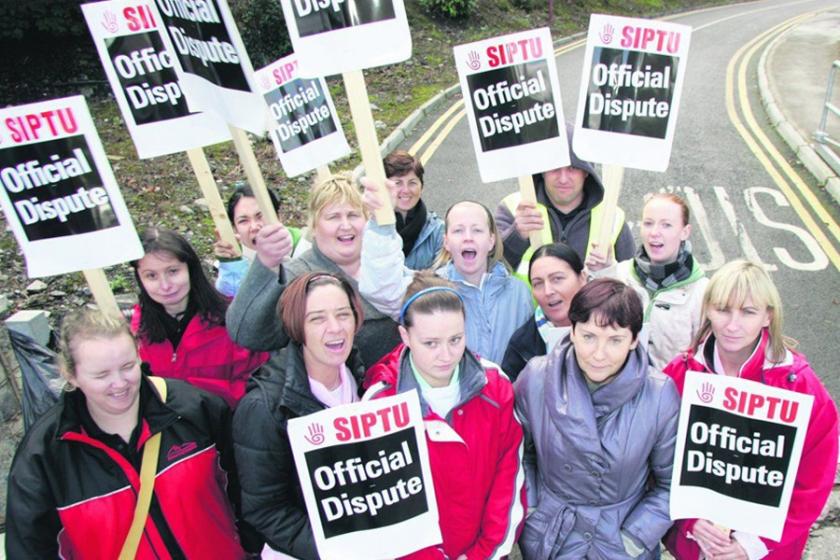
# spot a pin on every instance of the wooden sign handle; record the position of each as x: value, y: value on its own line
x: 101, y: 290
x: 202, y: 171
x: 357, y: 96
x: 322, y: 173
x: 612, y: 177
x: 528, y: 194
x: 253, y: 173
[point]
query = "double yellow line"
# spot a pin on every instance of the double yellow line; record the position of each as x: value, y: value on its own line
x: 448, y: 120
x: 791, y: 184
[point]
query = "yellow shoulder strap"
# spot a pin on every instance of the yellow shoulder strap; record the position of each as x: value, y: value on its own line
x: 595, y: 219
x: 148, y: 466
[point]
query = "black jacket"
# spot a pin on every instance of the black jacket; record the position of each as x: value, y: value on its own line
x: 525, y: 343
x: 272, y: 499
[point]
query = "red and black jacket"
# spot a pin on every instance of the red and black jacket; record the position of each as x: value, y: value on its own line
x: 72, y: 496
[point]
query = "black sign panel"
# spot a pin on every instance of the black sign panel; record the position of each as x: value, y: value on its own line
x: 370, y: 484
x: 320, y: 16
x: 55, y: 188
x: 302, y: 113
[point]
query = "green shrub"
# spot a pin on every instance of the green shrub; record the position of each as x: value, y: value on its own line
x: 450, y: 9
x: 19, y: 19
x: 263, y: 30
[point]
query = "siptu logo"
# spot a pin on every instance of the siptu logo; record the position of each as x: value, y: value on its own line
x: 316, y: 434
x: 606, y: 34
x: 177, y: 451
x: 265, y: 82
x: 473, y: 61
x: 109, y: 22
x: 706, y: 392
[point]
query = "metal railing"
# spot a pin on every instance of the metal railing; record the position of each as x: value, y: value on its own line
x: 826, y: 145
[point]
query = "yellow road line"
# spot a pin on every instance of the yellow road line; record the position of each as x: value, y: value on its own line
x: 437, y: 124
x: 751, y: 143
x: 427, y: 155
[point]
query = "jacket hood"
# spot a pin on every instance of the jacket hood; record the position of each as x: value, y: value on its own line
x: 592, y: 186
x: 756, y: 366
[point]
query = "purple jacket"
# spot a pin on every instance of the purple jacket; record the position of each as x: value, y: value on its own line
x: 588, y: 457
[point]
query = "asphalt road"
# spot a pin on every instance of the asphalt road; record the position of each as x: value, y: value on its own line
x: 738, y: 208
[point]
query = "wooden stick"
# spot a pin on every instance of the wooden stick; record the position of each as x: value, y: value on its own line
x: 528, y: 194
x: 101, y: 290
x: 354, y: 84
x: 201, y: 168
x: 612, y: 177
x: 322, y: 173
x: 253, y: 173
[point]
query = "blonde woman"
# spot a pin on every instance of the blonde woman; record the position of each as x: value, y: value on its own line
x: 741, y: 336
x: 336, y: 220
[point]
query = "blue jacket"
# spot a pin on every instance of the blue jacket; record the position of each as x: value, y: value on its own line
x: 494, y: 310
x: 428, y: 244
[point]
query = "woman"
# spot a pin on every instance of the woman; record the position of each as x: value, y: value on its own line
x: 246, y: 217
x: 666, y: 277
x: 741, y: 335
x: 496, y: 303
x: 479, y: 482
x: 555, y: 274
x: 75, y: 478
x: 421, y: 231
x: 336, y: 219
x: 600, y: 429
x: 321, y: 313
x: 180, y: 320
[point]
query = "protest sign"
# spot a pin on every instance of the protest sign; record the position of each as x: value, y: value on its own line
x: 632, y: 79
x: 307, y: 133
x: 364, y: 469
x: 738, y: 449
x: 335, y: 36
x: 211, y: 62
x: 140, y: 71
x: 512, y: 99
x: 59, y: 194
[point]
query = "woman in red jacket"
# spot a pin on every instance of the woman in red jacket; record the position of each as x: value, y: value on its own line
x: 180, y: 320
x: 741, y: 335
x: 474, y: 438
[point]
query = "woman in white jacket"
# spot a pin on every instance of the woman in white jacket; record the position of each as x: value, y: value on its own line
x: 666, y: 277
x: 495, y: 302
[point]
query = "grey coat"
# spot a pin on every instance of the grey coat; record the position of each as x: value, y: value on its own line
x: 589, y: 457
x: 252, y: 319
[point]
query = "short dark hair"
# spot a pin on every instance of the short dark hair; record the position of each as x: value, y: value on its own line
x: 244, y: 189
x: 558, y: 251
x: 611, y: 302
x: 209, y: 304
x: 400, y: 162
x: 439, y: 300
x: 291, y: 308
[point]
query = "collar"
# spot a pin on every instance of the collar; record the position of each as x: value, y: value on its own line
x: 755, y: 366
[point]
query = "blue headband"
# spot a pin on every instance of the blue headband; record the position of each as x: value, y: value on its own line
x: 423, y: 292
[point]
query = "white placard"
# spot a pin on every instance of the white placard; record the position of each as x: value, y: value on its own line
x: 633, y: 72
x: 141, y: 74
x: 58, y: 193
x: 307, y: 132
x: 738, y: 449
x: 512, y: 98
x: 334, y: 36
x: 364, y: 469
x: 211, y: 62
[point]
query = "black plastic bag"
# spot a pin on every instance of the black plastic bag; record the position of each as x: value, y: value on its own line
x: 42, y: 381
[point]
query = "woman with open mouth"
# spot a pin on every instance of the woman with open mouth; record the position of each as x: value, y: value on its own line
x: 474, y: 439
x: 555, y: 273
x: 247, y: 220
x: 318, y: 369
x: 666, y: 276
x: 496, y: 302
x: 117, y: 436
x: 600, y: 429
x: 741, y: 336
x: 180, y: 320
x: 335, y: 222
